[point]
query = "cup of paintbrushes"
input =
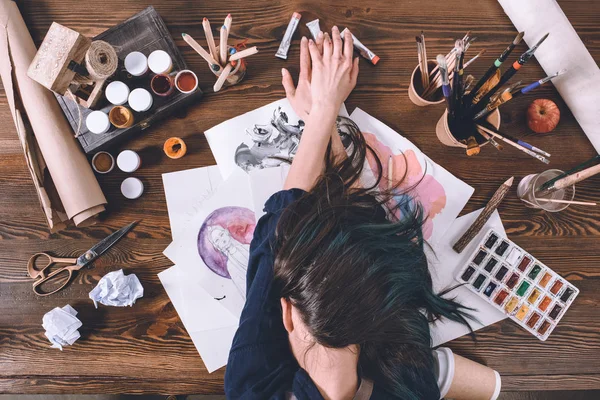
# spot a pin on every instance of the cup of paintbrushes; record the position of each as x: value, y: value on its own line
x: 464, y: 135
x: 417, y: 93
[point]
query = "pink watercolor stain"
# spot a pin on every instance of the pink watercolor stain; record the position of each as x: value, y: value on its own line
x: 425, y: 189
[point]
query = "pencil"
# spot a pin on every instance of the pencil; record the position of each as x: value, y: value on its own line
x: 390, y: 173
x: 515, y: 144
x: 221, y: 80
x: 200, y: 50
x: 223, y: 44
x: 244, y: 53
x: 483, y: 217
x: 210, y: 39
x: 227, y: 22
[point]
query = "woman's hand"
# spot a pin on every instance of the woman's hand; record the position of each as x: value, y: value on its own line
x: 300, y: 97
x: 334, y: 72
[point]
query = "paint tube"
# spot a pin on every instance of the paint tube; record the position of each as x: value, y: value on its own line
x: 362, y: 49
x: 314, y: 28
x: 287, y: 37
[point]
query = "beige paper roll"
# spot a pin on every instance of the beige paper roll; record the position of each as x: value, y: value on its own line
x: 47, y: 139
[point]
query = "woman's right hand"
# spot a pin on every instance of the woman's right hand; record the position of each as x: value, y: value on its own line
x: 334, y: 72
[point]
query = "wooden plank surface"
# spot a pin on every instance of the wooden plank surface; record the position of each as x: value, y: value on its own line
x: 145, y: 349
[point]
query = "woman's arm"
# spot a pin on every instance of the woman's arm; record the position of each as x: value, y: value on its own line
x: 331, y: 76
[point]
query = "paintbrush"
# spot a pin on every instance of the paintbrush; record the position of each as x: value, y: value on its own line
x: 520, y: 142
x: 210, y: 39
x: 494, y: 67
x: 456, y: 81
x: 570, y: 180
x: 505, y: 97
x: 390, y: 173
x: 482, y: 52
x: 445, y: 81
x: 422, y: 62
x: 424, y: 56
x: 483, y: 216
x: 581, y: 203
x: 523, y: 59
x: 496, y: 101
x: 569, y: 172
x: 514, y: 144
x: 490, y: 139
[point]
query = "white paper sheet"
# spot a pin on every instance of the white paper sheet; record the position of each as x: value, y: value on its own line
x: 440, y: 193
x: 215, y: 244
x: 185, y: 191
x: 210, y: 326
x: 580, y: 85
x: 257, y: 139
x: 444, y: 266
x: 265, y: 182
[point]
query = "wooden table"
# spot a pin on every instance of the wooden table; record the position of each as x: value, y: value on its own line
x: 145, y: 349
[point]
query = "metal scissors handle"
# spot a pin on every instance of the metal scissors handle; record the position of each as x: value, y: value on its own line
x: 65, y: 273
x: 41, y: 275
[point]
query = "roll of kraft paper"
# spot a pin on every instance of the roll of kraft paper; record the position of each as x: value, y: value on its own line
x: 44, y: 133
x: 579, y: 86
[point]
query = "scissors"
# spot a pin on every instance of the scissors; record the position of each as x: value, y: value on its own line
x: 64, y: 274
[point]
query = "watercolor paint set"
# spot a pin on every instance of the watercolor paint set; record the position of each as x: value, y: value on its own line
x: 516, y: 283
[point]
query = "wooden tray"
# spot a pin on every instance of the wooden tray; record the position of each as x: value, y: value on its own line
x: 144, y: 32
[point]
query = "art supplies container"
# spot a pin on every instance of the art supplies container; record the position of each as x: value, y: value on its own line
x: 159, y: 62
x: 117, y: 93
x: 162, y: 85
x: 121, y: 117
x: 136, y: 63
x: 528, y: 192
x: 103, y: 162
x: 186, y: 81
x: 97, y: 122
x: 132, y: 188
x: 128, y: 161
x: 140, y: 100
x: 516, y: 283
x: 442, y: 130
x: 415, y: 88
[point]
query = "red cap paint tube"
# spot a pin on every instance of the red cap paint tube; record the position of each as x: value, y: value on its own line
x: 362, y: 49
x: 287, y: 37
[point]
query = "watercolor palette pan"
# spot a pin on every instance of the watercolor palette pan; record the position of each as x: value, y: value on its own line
x: 519, y: 285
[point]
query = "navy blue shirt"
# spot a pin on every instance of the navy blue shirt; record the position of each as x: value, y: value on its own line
x: 261, y: 364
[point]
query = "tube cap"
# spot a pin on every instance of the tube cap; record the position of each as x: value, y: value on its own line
x: 97, y: 122
x: 128, y: 161
x: 117, y: 93
x: 140, y: 100
x: 160, y: 62
x: 132, y: 188
x: 136, y: 63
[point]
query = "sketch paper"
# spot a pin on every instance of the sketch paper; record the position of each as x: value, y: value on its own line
x: 210, y: 326
x: 440, y: 193
x: 264, y: 183
x: 579, y: 86
x: 185, y: 191
x: 215, y: 244
x: 445, y: 263
x: 263, y: 138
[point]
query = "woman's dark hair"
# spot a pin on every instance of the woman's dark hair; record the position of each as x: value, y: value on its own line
x: 358, y: 274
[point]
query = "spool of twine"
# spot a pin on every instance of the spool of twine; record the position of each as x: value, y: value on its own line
x: 101, y: 60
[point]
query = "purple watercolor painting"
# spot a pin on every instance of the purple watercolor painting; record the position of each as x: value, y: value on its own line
x: 223, y: 236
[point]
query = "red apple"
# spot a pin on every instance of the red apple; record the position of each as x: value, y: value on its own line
x: 542, y: 116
